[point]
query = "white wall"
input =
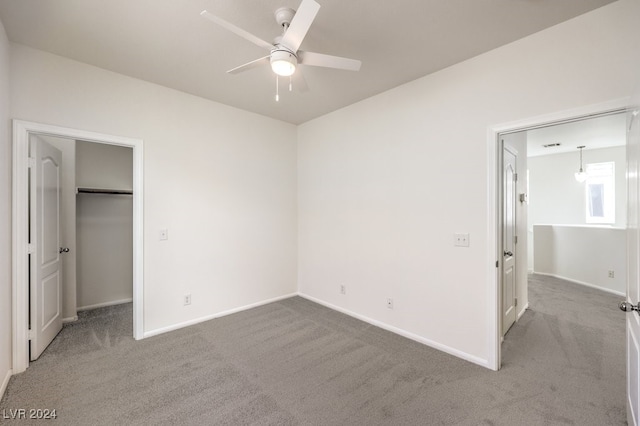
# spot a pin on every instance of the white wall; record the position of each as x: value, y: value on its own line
x: 384, y: 184
x: 556, y: 197
x: 5, y: 215
x: 104, y: 225
x: 582, y: 254
x: 221, y: 180
x: 105, y: 250
x: 104, y: 166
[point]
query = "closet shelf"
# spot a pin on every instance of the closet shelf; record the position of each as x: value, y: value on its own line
x: 81, y: 190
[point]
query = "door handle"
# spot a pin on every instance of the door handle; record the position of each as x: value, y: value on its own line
x: 629, y: 307
x: 64, y: 249
x: 508, y: 253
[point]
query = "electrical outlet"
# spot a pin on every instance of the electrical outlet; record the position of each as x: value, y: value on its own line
x: 612, y: 274
x: 343, y: 289
x: 187, y: 299
x: 390, y: 303
x: 461, y: 240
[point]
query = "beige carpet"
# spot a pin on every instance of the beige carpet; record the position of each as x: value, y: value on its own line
x: 295, y: 362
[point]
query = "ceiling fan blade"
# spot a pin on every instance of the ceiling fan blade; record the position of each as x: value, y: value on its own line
x: 328, y: 61
x: 236, y: 30
x: 250, y: 65
x: 300, y: 24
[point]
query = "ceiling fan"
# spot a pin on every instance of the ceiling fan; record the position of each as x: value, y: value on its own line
x: 284, y: 55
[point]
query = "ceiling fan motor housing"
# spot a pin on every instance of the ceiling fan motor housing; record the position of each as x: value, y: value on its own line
x: 284, y: 16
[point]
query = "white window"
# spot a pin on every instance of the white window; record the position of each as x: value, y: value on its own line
x: 600, y: 193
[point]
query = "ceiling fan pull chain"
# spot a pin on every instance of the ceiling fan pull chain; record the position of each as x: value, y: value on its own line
x: 277, y: 90
x: 290, y: 83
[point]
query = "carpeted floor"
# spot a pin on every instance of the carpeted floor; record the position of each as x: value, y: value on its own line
x: 295, y: 362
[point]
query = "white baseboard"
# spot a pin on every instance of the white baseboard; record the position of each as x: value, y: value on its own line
x: 102, y: 305
x: 70, y: 319
x: 5, y: 383
x: 163, y: 330
x: 607, y: 290
x: 521, y: 313
x: 439, y: 346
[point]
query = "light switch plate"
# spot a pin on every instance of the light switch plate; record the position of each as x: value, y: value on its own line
x: 164, y: 234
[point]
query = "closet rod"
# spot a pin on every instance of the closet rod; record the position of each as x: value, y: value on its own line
x: 103, y: 191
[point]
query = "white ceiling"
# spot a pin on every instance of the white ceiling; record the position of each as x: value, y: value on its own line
x: 168, y: 43
x: 594, y: 133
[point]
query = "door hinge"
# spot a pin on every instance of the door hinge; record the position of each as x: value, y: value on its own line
x: 516, y: 303
x: 30, y: 248
x: 31, y: 162
x: 497, y: 263
x: 515, y: 239
x: 30, y: 334
x: 515, y: 177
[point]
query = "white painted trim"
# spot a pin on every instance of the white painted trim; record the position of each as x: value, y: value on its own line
x: 103, y: 305
x: 451, y: 351
x: 20, y: 263
x: 70, y: 319
x: 494, y: 179
x: 184, y: 324
x: 584, y: 283
x: 5, y: 382
x: 494, y: 319
x: 521, y: 313
x: 561, y: 116
x: 138, y: 240
x: 20, y: 230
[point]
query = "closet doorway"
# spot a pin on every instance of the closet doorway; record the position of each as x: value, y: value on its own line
x: 104, y: 225
x: 97, y: 228
x: 100, y: 221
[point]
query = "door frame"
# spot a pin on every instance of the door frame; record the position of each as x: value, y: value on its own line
x: 20, y: 227
x: 494, y: 197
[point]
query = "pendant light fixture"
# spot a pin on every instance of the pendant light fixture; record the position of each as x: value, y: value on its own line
x: 580, y: 175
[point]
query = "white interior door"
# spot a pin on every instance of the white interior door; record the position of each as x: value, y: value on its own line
x: 45, y: 266
x: 633, y: 270
x: 509, y: 159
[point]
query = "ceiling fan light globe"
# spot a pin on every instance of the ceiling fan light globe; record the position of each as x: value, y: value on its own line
x: 283, y: 63
x: 580, y: 176
x: 283, y: 68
